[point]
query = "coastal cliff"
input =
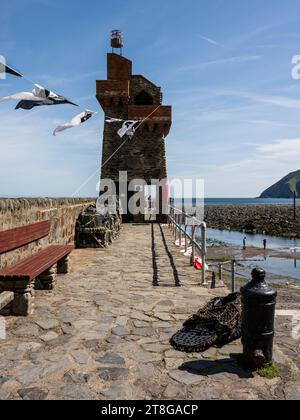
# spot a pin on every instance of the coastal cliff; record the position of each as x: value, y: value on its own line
x: 285, y: 188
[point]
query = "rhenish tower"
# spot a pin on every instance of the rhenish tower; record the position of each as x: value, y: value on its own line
x: 132, y: 97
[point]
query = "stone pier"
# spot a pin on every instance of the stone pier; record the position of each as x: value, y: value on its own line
x: 103, y: 332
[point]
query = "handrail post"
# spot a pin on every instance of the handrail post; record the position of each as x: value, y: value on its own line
x: 213, y: 281
x: 180, y: 232
x: 220, y: 272
x: 185, y: 238
x: 233, y: 276
x: 193, y: 244
x: 173, y: 225
x: 203, y: 252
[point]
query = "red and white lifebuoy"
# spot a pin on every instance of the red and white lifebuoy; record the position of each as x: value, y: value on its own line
x: 198, y: 264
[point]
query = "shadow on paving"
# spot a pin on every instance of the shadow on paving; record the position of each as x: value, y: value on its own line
x: 214, y: 367
x: 171, y: 259
x: 155, y: 256
x: 154, y: 259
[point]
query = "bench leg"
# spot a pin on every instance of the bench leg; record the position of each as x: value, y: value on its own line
x: 63, y: 265
x: 23, y: 303
x: 46, y: 281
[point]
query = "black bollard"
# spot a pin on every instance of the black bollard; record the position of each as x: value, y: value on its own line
x: 258, y: 316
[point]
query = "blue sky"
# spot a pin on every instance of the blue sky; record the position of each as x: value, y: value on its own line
x: 224, y: 65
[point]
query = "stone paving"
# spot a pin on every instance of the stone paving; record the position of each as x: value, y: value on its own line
x: 104, y: 332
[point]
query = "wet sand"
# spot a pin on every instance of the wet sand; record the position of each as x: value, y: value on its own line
x: 288, y: 290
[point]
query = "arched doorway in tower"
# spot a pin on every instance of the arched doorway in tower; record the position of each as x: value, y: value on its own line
x: 150, y: 192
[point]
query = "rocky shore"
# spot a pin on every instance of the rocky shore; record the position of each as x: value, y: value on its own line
x: 274, y: 220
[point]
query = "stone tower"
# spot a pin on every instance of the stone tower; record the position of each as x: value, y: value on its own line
x: 133, y: 97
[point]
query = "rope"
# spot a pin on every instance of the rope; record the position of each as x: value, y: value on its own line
x: 98, y: 242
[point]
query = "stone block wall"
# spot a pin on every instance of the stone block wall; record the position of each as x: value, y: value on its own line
x: 62, y: 212
x: 143, y: 158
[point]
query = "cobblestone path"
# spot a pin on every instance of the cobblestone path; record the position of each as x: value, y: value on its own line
x: 104, y: 332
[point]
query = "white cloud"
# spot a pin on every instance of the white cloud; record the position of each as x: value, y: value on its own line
x: 285, y: 149
x: 277, y: 101
x: 239, y: 164
x: 59, y: 81
x: 281, y: 101
x: 209, y: 40
x: 260, y: 98
x: 282, y: 149
x: 272, y: 123
x: 229, y: 60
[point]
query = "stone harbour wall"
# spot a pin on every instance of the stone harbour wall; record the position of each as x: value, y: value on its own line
x: 272, y: 219
x: 62, y: 212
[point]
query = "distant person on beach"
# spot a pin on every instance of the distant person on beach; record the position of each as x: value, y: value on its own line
x: 265, y: 244
x: 244, y: 243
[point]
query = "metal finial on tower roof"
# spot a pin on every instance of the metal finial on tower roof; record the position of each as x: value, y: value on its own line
x: 117, y: 40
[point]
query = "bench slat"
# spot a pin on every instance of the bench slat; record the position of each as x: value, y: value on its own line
x: 16, y: 238
x: 24, y: 232
x: 37, y: 264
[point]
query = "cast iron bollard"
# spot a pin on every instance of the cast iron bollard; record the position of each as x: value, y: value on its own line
x: 258, y: 315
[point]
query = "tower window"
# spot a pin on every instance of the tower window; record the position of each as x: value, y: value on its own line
x: 143, y: 98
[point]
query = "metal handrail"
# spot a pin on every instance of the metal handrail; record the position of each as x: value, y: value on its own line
x: 189, y: 216
x: 178, y: 228
x: 187, y: 235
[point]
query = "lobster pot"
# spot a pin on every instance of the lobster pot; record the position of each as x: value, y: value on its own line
x: 94, y: 230
x: 117, y: 39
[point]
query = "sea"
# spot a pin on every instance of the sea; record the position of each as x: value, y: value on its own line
x: 220, y: 201
x: 238, y: 201
x: 282, y: 269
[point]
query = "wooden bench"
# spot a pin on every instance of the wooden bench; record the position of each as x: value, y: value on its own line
x: 35, y: 272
